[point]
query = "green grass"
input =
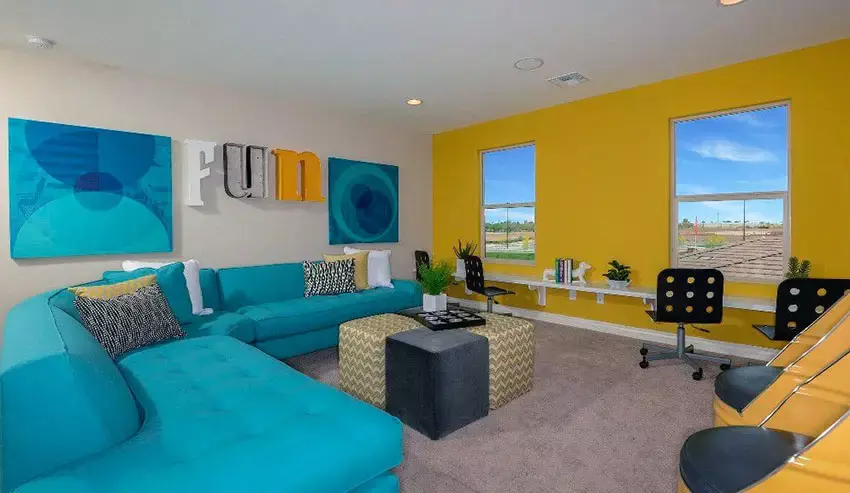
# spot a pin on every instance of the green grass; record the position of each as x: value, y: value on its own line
x: 510, y: 255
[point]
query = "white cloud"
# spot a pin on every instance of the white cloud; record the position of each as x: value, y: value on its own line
x: 726, y: 150
x: 751, y: 119
x: 689, y: 189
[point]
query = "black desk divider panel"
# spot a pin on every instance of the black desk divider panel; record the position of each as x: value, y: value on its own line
x: 799, y: 302
x: 690, y: 296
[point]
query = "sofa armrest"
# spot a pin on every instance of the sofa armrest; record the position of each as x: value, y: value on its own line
x: 410, y: 288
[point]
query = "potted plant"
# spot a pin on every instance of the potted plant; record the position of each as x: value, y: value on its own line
x: 461, y: 252
x: 797, y: 269
x: 618, y: 275
x: 435, y: 279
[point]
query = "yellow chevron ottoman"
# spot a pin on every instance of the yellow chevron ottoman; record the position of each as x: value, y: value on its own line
x: 511, y: 356
x: 362, y: 355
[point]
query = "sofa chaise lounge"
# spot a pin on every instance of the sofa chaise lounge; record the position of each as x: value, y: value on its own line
x: 215, y: 411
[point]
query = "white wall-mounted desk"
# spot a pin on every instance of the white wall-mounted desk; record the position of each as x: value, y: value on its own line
x: 647, y: 295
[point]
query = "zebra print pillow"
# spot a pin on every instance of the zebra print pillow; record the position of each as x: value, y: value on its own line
x: 129, y: 321
x: 324, y: 278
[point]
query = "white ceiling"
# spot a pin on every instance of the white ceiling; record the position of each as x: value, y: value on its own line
x: 368, y: 56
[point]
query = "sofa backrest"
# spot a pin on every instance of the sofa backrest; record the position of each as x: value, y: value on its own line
x: 61, y: 397
x: 209, y: 289
x: 256, y: 285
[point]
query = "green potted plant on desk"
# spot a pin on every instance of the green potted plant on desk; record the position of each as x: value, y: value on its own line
x: 435, y: 279
x: 619, y: 275
x: 461, y: 252
x: 797, y: 269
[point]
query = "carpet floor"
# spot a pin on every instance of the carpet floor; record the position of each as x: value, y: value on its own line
x: 594, y: 422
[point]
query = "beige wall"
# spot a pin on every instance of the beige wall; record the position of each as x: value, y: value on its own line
x: 226, y: 231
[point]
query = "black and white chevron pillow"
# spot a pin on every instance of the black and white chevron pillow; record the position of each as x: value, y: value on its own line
x: 324, y: 278
x: 129, y: 321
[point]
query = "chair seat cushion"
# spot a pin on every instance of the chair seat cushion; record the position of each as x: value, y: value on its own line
x: 738, y: 387
x: 222, y: 416
x: 494, y: 291
x: 729, y: 459
x: 296, y: 316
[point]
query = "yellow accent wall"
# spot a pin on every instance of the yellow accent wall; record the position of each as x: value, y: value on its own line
x: 604, y: 171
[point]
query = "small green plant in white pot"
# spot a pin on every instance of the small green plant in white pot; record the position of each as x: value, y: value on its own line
x: 797, y: 269
x: 435, y: 279
x: 619, y: 275
x: 461, y: 252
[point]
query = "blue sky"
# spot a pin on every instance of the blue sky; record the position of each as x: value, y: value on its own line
x: 743, y: 152
x: 509, y: 178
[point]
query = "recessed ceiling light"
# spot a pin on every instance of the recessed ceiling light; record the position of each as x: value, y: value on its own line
x: 729, y: 3
x: 39, y: 42
x: 414, y: 102
x: 528, y: 63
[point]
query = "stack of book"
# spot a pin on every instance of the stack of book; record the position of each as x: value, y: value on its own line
x: 563, y: 270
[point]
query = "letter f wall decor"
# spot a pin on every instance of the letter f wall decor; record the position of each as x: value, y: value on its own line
x: 288, y: 187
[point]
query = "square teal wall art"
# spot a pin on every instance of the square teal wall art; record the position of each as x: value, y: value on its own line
x: 362, y: 202
x: 87, y: 191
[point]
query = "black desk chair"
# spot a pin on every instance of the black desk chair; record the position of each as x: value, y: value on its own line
x: 475, y: 281
x: 801, y: 301
x: 687, y: 296
x: 421, y: 258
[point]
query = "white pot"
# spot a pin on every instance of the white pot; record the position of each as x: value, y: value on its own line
x: 460, y: 268
x: 431, y: 303
x: 618, y: 284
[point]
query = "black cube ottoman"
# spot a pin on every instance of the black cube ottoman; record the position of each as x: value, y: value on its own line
x: 437, y: 382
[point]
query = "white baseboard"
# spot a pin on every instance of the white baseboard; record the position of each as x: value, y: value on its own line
x: 667, y: 338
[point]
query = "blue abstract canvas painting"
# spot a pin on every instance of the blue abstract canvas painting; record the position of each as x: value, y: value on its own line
x: 87, y: 191
x: 362, y: 202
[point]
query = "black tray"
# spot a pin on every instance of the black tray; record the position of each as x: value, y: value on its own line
x: 453, y: 318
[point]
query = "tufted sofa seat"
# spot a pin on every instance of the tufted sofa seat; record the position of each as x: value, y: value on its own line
x: 219, y: 415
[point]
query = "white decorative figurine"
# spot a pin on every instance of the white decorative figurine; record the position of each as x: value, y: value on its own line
x: 578, y: 273
x: 549, y: 275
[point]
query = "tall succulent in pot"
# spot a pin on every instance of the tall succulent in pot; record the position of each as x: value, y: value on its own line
x: 461, y: 252
x: 435, y: 279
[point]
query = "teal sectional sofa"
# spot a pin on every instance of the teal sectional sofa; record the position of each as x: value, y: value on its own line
x: 214, y: 412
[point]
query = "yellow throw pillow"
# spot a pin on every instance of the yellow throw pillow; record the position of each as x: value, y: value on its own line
x: 109, y: 291
x: 361, y: 267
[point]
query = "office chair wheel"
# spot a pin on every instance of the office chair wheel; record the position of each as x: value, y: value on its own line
x: 697, y: 375
x: 644, y: 351
x: 689, y: 349
x: 725, y: 367
x: 644, y: 364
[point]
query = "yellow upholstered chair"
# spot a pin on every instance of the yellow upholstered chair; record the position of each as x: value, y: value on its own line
x: 802, y: 445
x: 744, y: 396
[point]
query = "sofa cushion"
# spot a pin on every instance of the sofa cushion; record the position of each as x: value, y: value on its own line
x: 209, y: 289
x: 172, y: 282
x: 222, y: 416
x: 225, y: 324
x: 300, y: 315
x: 255, y: 285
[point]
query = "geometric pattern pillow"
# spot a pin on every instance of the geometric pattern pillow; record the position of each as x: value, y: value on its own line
x: 325, y: 278
x: 107, y: 291
x: 129, y: 321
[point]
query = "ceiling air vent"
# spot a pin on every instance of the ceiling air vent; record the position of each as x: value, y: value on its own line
x: 568, y: 80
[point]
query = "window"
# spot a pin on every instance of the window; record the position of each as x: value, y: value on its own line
x: 508, y: 208
x: 730, y: 202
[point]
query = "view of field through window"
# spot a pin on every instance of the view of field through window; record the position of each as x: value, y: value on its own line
x: 731, y: 193
x: 508, y: 209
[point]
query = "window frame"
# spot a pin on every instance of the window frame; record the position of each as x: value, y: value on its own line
x: 507, y: 205
x: 675, y: 199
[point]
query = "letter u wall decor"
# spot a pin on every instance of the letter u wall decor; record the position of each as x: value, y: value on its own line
x: 362, y: 202
x: 87, y: 191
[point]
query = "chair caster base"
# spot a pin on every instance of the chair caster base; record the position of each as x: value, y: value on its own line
x: 644, y: 364
x: 697, y: 375
x: 725, y: 367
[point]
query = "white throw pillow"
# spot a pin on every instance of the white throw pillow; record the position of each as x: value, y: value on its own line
x: 192, y: 273
x: 378, y: 267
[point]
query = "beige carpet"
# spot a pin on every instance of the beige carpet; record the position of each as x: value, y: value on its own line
x: 594, y: 422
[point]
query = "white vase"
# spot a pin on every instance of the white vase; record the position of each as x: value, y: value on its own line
x: 618, y: 284
x: 432, y: 303
x: 460, y: 268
